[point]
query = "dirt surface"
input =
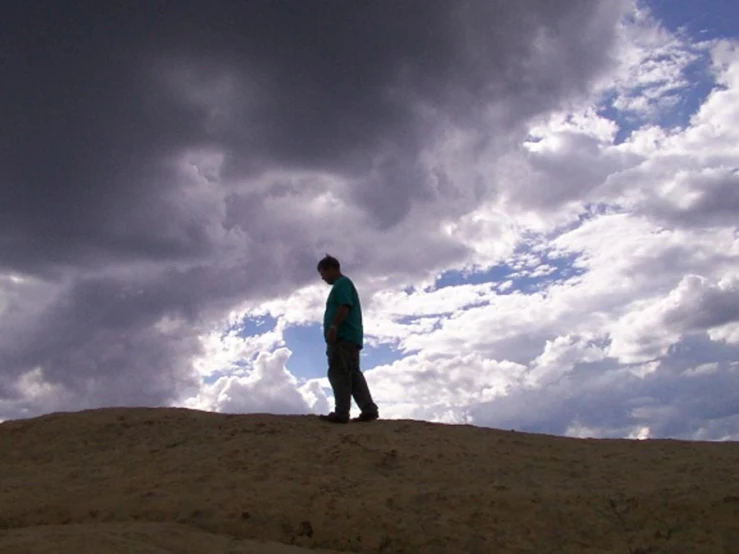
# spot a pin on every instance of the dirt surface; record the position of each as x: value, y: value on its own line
x: 130, y: 538
x: 173, y: 480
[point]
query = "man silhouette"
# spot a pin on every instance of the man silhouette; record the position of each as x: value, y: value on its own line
x: 344, y: 334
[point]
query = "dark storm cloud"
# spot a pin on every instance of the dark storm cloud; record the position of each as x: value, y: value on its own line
x: 97, y: 96
x: 99, y: 101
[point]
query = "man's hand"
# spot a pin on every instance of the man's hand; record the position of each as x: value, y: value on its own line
x: 331, y: 335
x: 338, y: 318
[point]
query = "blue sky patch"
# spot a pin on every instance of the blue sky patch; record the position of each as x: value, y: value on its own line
x: 308, y: 359
x: 453, y: 278
x: 551, y: 268
x: 254, y: 326
x: 699, y: 19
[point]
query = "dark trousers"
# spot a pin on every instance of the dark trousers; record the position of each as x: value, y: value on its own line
x: 347, y: 379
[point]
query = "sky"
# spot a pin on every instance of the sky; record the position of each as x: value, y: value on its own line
x: 537, y: 201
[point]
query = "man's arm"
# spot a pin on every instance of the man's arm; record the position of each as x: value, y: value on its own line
x: 345, y: 300
x: 341, y: 313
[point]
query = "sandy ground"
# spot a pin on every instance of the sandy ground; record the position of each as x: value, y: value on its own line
x: 173, y: 480
x: 129, y: 538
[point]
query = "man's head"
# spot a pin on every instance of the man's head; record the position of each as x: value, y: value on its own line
x: 330, y: 269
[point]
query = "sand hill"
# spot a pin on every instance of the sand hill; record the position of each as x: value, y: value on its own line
x: 161, y: 481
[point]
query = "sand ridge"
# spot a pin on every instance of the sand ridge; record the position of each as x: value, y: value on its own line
x: 218, y: 480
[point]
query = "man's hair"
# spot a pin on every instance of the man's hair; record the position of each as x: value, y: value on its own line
x: 328, y: 262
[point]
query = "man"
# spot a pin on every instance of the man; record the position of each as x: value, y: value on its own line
x: 342, y: 328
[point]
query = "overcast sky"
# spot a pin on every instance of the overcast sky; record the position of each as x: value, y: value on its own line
x: 537, y: 200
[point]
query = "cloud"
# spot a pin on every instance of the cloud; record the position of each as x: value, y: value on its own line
x: 267, y: 388
x: 440, y: 387
x: 653, y: 74
x: 174, y: 174
x: 641, y: 341
x: 595, y: 402
x: 262, y: 88
x: 157, y: 175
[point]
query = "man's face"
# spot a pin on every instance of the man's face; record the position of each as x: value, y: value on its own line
x: 328, y: 275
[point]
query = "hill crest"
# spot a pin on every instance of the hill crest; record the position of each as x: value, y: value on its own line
x: 218, y: 482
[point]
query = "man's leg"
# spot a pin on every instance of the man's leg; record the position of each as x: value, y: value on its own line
x: 340, y: 377
x: 360, y: 389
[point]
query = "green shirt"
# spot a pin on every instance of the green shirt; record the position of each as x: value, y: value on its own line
x: 343, y: 292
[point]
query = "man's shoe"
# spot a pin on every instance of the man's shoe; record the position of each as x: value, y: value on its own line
x: 363, y: 417
x: 334, y: 418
